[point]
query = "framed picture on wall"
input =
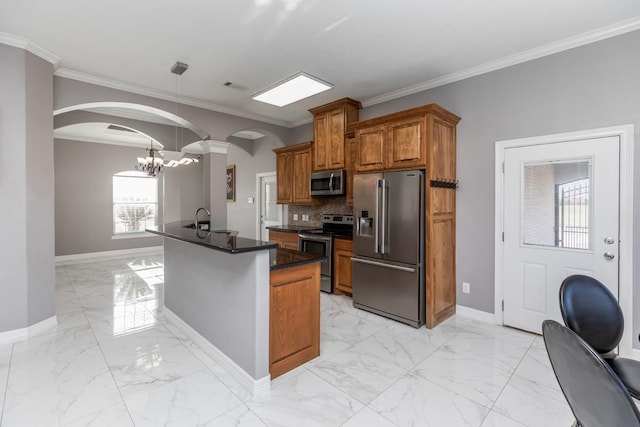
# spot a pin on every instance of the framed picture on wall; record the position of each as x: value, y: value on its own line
x: 231, y: 183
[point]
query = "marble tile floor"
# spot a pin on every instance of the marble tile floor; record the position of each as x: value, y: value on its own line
x: 115, y: 360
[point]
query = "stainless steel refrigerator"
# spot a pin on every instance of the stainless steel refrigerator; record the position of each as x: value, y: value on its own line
x: 388, y: 245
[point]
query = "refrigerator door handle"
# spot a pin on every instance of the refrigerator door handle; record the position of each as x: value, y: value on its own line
x: 377, y: 217
x: 382, y: 264
x: 383, y: 221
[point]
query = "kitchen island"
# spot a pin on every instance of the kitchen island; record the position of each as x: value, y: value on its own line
x: 255, y: 306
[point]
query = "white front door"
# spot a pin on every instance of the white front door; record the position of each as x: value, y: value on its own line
x: 270, y: 213
x: 561, y: 215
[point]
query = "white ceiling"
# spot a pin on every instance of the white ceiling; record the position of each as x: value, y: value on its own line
x: 371, y: 51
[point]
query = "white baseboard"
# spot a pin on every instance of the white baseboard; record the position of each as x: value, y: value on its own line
x: 635, y: 354
x: 474, y: 314
x: 257, y: 387
x: 77, y: 258
x: 29, y: 331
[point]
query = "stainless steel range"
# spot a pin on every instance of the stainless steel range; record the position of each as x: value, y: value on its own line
x: 320, y: 242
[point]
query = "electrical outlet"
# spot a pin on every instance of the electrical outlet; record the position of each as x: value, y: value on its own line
x: 295, y: 217
x: 305, y: 217
x: 466, y: 287
x: 250, y: 200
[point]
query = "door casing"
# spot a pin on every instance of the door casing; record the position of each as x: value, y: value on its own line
x: 258, y: 202
x: 625, y: 134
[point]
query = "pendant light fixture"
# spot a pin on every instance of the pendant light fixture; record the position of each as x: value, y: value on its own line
x: 151, y: 165
x: 154, y: 163
x: 176, y: 158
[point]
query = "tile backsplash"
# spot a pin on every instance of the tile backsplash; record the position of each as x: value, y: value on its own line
x: 332, y: 205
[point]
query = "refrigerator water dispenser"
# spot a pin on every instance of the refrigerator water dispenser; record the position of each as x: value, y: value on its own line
x: 365, y: 225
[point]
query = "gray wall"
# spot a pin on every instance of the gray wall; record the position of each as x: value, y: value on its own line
x: 302, y: 133
x: 592, y: 86
x: 27, y: 274
x: 39, y: 189
x: 83, y: 197
x: 257, y: 158
x: 183, y: 192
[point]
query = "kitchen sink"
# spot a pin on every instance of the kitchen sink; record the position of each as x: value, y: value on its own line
x: 202, y: 225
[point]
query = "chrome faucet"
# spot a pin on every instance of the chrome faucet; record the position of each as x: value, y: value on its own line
x: 197, y: 212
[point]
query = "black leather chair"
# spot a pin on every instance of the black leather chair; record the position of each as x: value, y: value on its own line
x: 594, y: 392
x: 590, y: 310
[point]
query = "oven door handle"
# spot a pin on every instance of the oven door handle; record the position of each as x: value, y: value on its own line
x: 314, y: 237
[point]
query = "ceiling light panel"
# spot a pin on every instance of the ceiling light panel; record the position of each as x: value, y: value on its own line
x: 293, y: 89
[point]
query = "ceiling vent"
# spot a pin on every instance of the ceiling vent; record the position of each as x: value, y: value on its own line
x: 235, y: 86
x: 179, y: 68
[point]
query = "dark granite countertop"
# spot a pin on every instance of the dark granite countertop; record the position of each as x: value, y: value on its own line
x: 284, y: 258
x: 291, y: 228
x: 221, y: 240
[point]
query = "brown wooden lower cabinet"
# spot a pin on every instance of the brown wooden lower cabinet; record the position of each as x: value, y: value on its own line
x: 285, y: 239
x: 342, y: 271
x: 294, y: 317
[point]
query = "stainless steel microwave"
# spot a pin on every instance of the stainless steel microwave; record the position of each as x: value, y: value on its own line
x: 328, y: 183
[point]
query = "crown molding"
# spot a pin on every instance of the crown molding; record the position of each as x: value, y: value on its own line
x: 545, y: 50
x: 302, y: 122
x: 140, y: 90
x: 22, y: 43
x: 219, y: 147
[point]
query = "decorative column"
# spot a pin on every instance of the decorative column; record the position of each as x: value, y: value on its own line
x: 27, y: 271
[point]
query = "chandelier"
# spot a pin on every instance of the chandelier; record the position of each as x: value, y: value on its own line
x: 151, y: 165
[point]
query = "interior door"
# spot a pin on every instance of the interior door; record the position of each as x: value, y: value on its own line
x: 561, y: 214
x: 270, y: 212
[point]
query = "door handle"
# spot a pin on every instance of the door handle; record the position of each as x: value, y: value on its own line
x: 381, y: 264
x: 609, y: 240
x: 377, y: 217
x: 609, y: 255
x: 383, y: 239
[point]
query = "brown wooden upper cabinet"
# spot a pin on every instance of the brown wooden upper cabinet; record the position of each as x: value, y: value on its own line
x: 330, y: 123
x: 293, y: 174
x: 399, y: 140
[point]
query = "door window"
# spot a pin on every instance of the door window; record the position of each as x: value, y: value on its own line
x: 314, y: 247
x: 556, y: 208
